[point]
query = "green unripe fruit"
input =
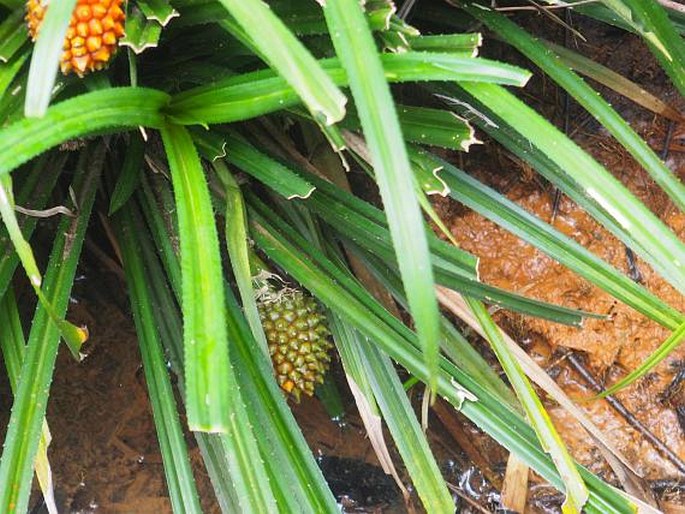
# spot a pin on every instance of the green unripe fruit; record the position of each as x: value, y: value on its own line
x: 298, y: 340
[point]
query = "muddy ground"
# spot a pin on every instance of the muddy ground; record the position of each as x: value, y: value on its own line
x: 604, y: 348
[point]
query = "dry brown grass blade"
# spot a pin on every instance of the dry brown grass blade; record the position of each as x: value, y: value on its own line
x: 634, y: 484
x: 676, y: 6
x: 515, y: 490
x: 374, y: 429
x: 616, y: 82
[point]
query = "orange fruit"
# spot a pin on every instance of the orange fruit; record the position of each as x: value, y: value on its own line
x: 94, y: 31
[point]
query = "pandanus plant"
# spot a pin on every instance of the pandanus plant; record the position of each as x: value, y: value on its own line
x: 216, y: 137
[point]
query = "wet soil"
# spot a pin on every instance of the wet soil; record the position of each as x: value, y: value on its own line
x: 623, y: 340
x: 104, y: 452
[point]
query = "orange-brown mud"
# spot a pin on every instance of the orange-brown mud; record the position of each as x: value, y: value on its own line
x: 104, y: 452
x: 615, y: 344
x: 622, y: 340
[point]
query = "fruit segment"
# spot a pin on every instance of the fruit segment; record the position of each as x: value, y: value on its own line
x: 94, y: 30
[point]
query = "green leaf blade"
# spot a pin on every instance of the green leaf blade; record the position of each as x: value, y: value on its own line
x: 290, y: 58
x: 45, y: 58
x: 518, y: 221
x: 253, y: 94
x: 177, y: 469
x: 79, y: 116
x: 239, y: 251
x: 549, y: 62
x: 406, y: 431
x: 13, y: 348
x: 205, y: 336
x: 663, y: 351
x: 242, y: 154
x: 141, y: 32
x: 380, y: 122
x: 129, y: 176
x: 12, y: 35
x: 28, y: 411
x: 213, y: 400
x: 629, y: 219
x: 577, y: 493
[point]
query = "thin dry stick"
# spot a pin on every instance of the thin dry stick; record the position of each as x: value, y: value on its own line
x: 669, y: 4
x: 623, y: 411
x: 545, y: 10
x: 45, y: 213
x: 668, y: 485
x: 466, y: 498
x: 406, y: 8
x: 537, y: 7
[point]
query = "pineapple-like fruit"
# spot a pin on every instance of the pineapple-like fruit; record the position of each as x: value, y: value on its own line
x: 94, y: 31
x: 298, y: 339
